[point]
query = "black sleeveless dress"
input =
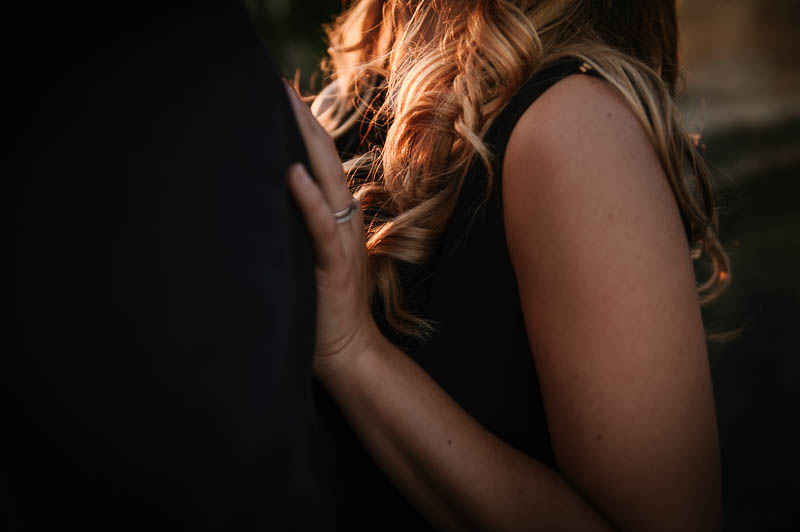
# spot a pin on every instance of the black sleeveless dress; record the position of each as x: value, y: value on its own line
x: 480, y: 353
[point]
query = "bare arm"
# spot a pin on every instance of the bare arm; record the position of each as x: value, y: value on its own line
x: 454, y: 471
x: 627, y: 390
x: 611, y: 309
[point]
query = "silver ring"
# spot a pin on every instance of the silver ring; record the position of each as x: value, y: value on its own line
x: 347, y: 213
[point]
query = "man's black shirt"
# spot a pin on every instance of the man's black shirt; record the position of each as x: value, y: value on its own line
x: 158, y: 370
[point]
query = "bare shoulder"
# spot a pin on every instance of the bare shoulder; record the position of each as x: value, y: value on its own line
x: 581, y: 98
x: 580, y: 148
x: 580, y: 120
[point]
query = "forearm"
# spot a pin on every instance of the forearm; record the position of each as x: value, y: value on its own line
x: 456, y: 473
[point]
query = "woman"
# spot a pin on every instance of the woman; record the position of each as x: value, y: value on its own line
x: 517, y: 343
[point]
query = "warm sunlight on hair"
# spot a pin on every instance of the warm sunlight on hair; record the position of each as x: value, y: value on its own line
x: 431, y: 79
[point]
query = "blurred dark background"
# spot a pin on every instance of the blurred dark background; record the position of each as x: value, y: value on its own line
x: 742, y: 93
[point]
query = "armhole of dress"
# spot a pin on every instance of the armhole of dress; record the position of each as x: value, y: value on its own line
x: 526, y: 96
x: 472, y: 203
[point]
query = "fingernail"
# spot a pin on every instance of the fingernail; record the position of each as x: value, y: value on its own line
x: 289, y: 87
x: 298, y: 171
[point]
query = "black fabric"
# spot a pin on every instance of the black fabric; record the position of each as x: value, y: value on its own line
x: 480, y: 353
x: 157, y: 371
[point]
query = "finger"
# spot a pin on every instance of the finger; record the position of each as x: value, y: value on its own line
x: 325, y: 162
x: 302, y: 114
x: 317, y: 215
x: 321, y: 147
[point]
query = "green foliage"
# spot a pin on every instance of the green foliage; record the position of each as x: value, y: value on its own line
x: 293, y: 32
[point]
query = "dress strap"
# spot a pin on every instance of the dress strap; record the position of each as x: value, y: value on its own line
x: 470, y: 205
x: 500, y: 132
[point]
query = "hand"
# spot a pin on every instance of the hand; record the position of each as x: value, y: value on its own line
x: 345, y: 327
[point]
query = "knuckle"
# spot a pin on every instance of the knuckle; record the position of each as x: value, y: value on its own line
x: 342, y: 269
x: 327, y: 228
x: 316, y: 201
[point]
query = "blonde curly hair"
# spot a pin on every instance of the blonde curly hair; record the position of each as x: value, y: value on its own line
x: 443, y: 70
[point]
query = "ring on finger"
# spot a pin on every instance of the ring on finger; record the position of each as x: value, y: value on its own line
x: 348, y: 212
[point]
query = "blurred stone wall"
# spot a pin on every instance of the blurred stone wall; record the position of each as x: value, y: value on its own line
x: 742, y: 71
x: 742, y: 61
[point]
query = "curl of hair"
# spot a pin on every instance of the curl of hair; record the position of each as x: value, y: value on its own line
x: 443, y: 71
